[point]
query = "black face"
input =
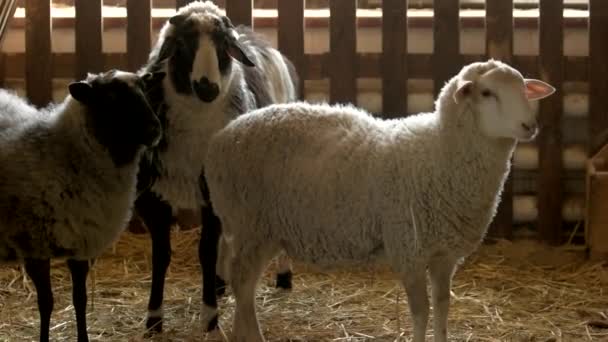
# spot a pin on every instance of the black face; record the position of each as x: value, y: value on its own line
x: 118, y: 112
x: 181, y: 48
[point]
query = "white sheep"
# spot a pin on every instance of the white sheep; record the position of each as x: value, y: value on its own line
x: 332, y: 186
x: 67, y: 178
x: 215, y: 72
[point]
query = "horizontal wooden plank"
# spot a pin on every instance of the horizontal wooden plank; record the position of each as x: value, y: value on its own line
x: 363, y: 21
x: 368, y: 65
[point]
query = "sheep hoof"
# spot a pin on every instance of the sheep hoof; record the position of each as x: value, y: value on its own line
x: 284, y: 280
x: 154, y: 325
x: 212, y: 324
x: 209, y: 317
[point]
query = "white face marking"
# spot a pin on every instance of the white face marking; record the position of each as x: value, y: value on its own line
x: 205, y: 61
x: 506, y: 112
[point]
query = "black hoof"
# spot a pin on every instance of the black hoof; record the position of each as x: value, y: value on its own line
x: 220, y: 286
x: 212, y: 324
x: 284, y: 280
x: 154, y: 325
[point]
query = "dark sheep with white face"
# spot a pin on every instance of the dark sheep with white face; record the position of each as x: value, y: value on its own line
x: 216, y: 72
x: 68, y: 178
x: 200, y: 51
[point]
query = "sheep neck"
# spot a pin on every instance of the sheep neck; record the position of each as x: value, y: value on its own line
x: 474, y: 169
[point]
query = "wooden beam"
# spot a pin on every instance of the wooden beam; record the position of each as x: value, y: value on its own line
x: 549, y: 140
x: 499, y: 45
x: 291, y: 35
x: 88, y: 31
x: 343, y: 51
x: 181, y: 3
x: 598, y: 62
x: 38, y: 62
x: 240, y: 12
x: 394, y: 65
x: 446, y: 42
x: 138, y: 32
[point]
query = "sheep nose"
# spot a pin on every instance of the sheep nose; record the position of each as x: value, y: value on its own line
x: 530, y: 127
x: 206, y: 90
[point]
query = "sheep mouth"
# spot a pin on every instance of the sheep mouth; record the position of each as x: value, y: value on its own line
x: 527, y: 135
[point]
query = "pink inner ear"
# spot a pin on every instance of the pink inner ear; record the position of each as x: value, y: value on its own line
x: 536, y: 89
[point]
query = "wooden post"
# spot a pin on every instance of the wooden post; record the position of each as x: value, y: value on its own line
x: 181, y: 3
x: 499, y: 45
x: 139, y: 24
x: 550, y: 113
x: 598, y: 64
x: 291, y: 35
x: 394, y: 58
x: 240, y: 12
x: 38, y: 63
x: 343, y: 51
x: 88, y: 30
x: 446, y: 42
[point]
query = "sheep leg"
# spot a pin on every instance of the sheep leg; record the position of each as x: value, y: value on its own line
x: 223, y: 263
x: 79, y: 269
x: 441, y: 271
x: 284, y: 273
x: 39, y: 270
x: 418, y: 301
x: 207, y: 254
x: 158, y: 217
x: 246, y: 269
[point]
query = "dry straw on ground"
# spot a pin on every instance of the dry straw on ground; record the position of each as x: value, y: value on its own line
x: 505, y: 292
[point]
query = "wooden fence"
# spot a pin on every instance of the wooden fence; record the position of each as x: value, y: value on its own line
x: 342, y: 65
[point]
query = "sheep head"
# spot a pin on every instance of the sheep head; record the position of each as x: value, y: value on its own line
x: 500, y: 98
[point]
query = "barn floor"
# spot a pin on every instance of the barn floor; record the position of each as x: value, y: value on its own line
x: 506, y: 292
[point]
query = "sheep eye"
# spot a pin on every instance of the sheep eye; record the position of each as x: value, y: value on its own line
x: 486, y: 93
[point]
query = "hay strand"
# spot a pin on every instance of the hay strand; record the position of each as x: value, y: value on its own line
x: 519, y: 291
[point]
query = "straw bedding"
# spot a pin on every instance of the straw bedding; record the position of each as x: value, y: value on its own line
x: 518, y: 291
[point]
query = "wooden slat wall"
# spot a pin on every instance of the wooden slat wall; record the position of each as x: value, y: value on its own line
x: 394, y: 54
x: 317, y: 66
x: 139, y: 26
x: 446, y: 42
x: 181, y: 3
x: 550, y: 113
x: 291, y: 35
x: 38, y: 63
x: 598, y: 75
x: 499, y: 45
x: 343, y: 51
x: 88, y: 30
x: 240, y: 12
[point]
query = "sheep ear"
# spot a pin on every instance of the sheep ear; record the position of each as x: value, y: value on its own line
x: 154, y: 77
x: 235, y: 49
x: 465, y: 88
x: 177, y: 20
x: 537, y: 89
x: 81, y: 91
x: 227, y: 22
